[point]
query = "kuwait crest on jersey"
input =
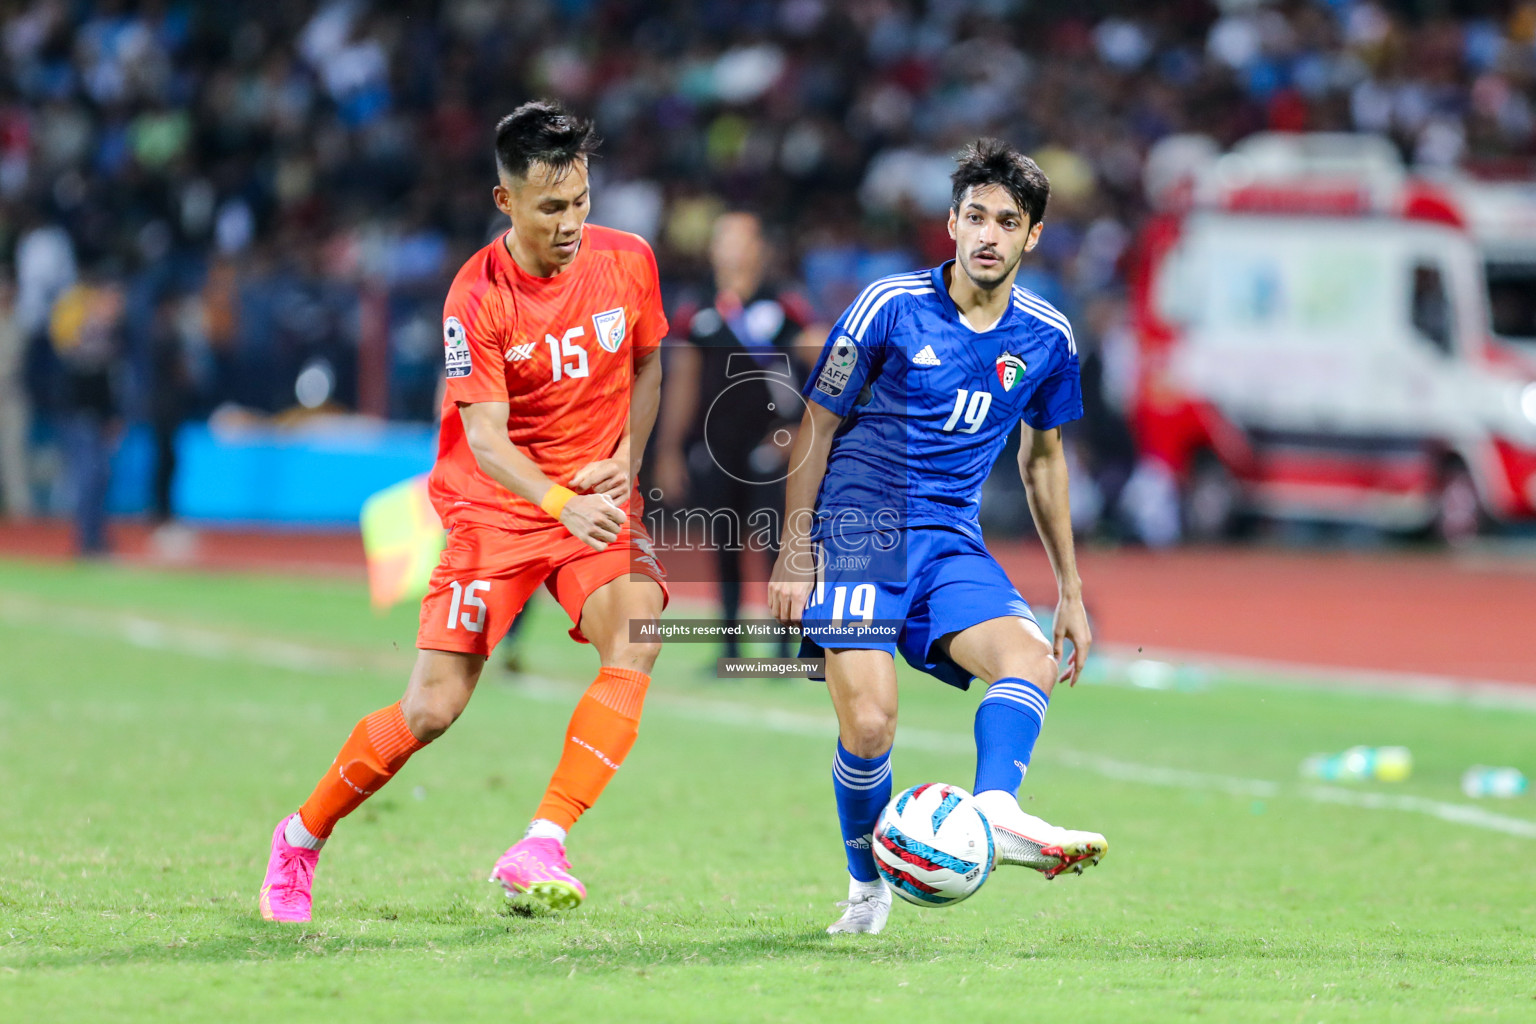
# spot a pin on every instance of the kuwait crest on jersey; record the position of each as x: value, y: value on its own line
x: 610, y: 328
x: 1009, y: 369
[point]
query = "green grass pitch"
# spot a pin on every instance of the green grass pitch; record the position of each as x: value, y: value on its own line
x: 153, y: 727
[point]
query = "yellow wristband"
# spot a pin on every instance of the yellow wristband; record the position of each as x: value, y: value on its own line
x: 554, y: 500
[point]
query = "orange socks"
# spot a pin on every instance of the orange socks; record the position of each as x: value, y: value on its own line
x: 378, y: 747
x: 603, y: 728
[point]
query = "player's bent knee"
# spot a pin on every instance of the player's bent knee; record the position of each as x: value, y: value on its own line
x: 439, y: 690
x: 428, y: 718
x: 1039, y: 668
x: 868, y: 732
x: 639, y: 657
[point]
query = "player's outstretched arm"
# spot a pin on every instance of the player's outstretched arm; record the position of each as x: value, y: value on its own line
x: 795, y: 570
x: 1043, y: 466
x: 592, y: 519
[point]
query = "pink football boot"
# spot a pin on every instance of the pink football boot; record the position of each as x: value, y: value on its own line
x: 290, y: 876
x: 538, y: 868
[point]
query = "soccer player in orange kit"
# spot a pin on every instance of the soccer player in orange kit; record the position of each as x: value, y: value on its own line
x: 552, y: 335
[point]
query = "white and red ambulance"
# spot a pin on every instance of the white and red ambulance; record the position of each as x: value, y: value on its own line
x: 1325, y: 334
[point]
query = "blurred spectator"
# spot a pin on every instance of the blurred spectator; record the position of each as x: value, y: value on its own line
x: 216, y: 314
x: 169, y: 400
x: 15, y: 408
x: 1100, y: 444
x: 45, y: 266
x: 87, y: 334
x: 293, y: 155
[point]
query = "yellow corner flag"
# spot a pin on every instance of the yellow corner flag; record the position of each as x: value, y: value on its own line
x: 402, y: 539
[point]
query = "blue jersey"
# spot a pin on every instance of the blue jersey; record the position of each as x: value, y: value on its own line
x: 928, y: 402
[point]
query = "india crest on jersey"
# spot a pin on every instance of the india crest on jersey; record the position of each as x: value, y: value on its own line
x: 1009, y: 369
x: 610, y: 328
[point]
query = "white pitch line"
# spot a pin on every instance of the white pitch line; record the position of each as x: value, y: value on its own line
x: 907, y: 738
x: 193, y: 641
x: 1179, y: 778
x: 158, y: 635
x: 1418, y: 687
x: 1461, y: 814
x: 825, y: 727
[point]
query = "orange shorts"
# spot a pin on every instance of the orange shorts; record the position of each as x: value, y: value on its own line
x: 487, y: 573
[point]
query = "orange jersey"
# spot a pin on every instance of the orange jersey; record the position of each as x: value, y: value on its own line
x: 560, y: 351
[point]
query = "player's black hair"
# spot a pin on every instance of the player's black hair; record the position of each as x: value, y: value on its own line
x: 542, y: 132
x: 993, y: 162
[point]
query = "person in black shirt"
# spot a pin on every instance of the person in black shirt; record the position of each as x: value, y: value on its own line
x: 86, y: 328
x: 732, y: 404
x: 170, y: 396
x: 15, y: 407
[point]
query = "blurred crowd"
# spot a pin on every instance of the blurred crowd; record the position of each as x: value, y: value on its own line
x: 202, y: 205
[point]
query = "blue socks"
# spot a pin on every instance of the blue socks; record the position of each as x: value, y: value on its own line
x: 1008, y: 722
x: 863, y: 788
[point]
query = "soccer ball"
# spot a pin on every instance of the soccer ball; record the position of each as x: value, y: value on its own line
x: 933, y: 846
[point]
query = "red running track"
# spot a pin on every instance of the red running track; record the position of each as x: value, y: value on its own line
x: 1423, y: 613
x: 325, y: 554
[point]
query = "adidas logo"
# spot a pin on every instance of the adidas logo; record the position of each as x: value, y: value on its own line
x: 926, y: 357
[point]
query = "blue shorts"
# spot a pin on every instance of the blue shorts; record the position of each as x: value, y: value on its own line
x: 905, y: 590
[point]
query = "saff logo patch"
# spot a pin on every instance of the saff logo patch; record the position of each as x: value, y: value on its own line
x: 610, y: 328
x: 456, y: 349
x: 837, y: 371
x: 1009, y: 369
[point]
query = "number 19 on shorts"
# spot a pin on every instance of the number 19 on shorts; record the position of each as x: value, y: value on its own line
x: 861, y: 607
x: 467, y: 596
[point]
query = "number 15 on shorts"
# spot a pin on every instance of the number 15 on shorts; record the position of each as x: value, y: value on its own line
x: 467, y: 596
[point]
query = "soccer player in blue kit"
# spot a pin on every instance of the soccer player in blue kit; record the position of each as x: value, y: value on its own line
x: 907, y: 409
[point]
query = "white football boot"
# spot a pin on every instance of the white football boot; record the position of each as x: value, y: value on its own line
x: 868, y: 905
x: 1025, y: 839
